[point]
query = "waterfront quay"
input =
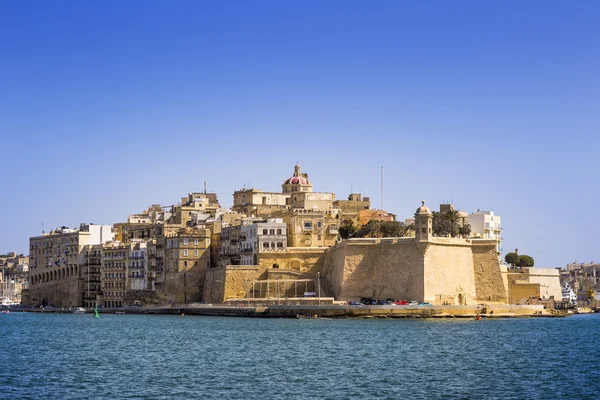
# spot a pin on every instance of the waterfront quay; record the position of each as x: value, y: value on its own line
x: 328, y: 311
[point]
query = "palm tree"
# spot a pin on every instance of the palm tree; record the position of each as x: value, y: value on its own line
x: 453, y: 217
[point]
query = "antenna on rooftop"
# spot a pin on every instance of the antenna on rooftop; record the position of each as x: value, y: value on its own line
x: 382, y: 189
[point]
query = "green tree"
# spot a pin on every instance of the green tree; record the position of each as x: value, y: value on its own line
x: 526, y: 261
x: 452, y: 218
x: 347, y: 229
x: 392, y: 229
x: 438, y: 225
x: 447, y: 224
x: 465, y: 231
x: 512, y: 259
x: 378, y: 229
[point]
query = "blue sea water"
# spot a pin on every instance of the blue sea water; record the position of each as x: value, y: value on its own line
x: 64, y: 356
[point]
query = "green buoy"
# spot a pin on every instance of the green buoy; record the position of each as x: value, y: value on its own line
x: 96, y: 315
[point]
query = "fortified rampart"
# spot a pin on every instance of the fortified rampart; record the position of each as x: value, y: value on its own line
x: 64, y: 293
x: 440, y: 270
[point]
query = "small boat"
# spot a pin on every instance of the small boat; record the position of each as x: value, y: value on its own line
x: 583, y: 310
x: 120, y: 312
x: 79, y: 310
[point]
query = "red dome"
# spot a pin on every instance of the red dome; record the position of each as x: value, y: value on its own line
x: 297, y: 180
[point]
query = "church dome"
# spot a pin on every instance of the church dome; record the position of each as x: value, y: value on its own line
x: 423, y: 210
x: 298, y: 178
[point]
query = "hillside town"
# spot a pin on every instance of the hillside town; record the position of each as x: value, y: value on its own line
x: 289, y: 245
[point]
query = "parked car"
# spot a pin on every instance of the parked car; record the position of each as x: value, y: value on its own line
x: 413, y: 303
x: 401, y: 303
x: 354, y: 303
x: 425, y: 303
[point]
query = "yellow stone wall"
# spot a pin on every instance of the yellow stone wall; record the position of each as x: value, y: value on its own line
x: 448, y: 272
x: 520, y: 291
x: 372, y: 268
x: 489, y: 282
x: 442, y: 270
x: 65, y: 293
x: 297, y: 258
x: 230, y: 282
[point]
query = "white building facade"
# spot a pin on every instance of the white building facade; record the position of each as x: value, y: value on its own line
x: 138, y: 267
x: 487, y: 225
x: 259, y: 237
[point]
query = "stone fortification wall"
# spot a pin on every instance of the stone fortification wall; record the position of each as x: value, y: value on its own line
x: 441, y: 270
x: 489, y: 282
x: 304, y: 259
x: 230, y: 282
x: 67, y: 293
x: 448, y: 272
x: 374, y: 268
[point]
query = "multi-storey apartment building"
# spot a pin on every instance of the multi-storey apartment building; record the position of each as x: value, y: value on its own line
x: 312, y: 228
x: 115, y: 258
x: 57, y: 262
x: 229, y: 247
x: 91, y: 274
x: 186, y: 259
x: 486, y: 225
x: 137, y: 271
x: 259, y: 237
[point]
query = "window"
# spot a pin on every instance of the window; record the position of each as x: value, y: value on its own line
x: 264, y: 231
x: 279, y: 245
x: 265, y: 245
x: 195, y: 242
x: 272, y: 232
x: 185, y: 242
x: 185, y: 263
x: 308, y: 226
x: 279, y: 231
x: 319, y: 224
x: 272, y: 245
x: 195, y: 252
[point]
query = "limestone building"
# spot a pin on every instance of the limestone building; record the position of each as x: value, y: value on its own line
x: 524, y: 284
x: 311, y: 228
x: 92, y: 275
x: 57, y: 261
x: 115, y: 258
x: 269, y: 235
x: 187, y: 257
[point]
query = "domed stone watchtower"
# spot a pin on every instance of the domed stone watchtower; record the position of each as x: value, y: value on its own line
x: 423, y: 223
x: 297, y: 183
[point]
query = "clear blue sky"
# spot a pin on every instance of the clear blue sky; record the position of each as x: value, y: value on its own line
x: 107, y: 107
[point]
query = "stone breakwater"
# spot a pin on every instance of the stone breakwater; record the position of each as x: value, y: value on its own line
x: 331, y: 311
